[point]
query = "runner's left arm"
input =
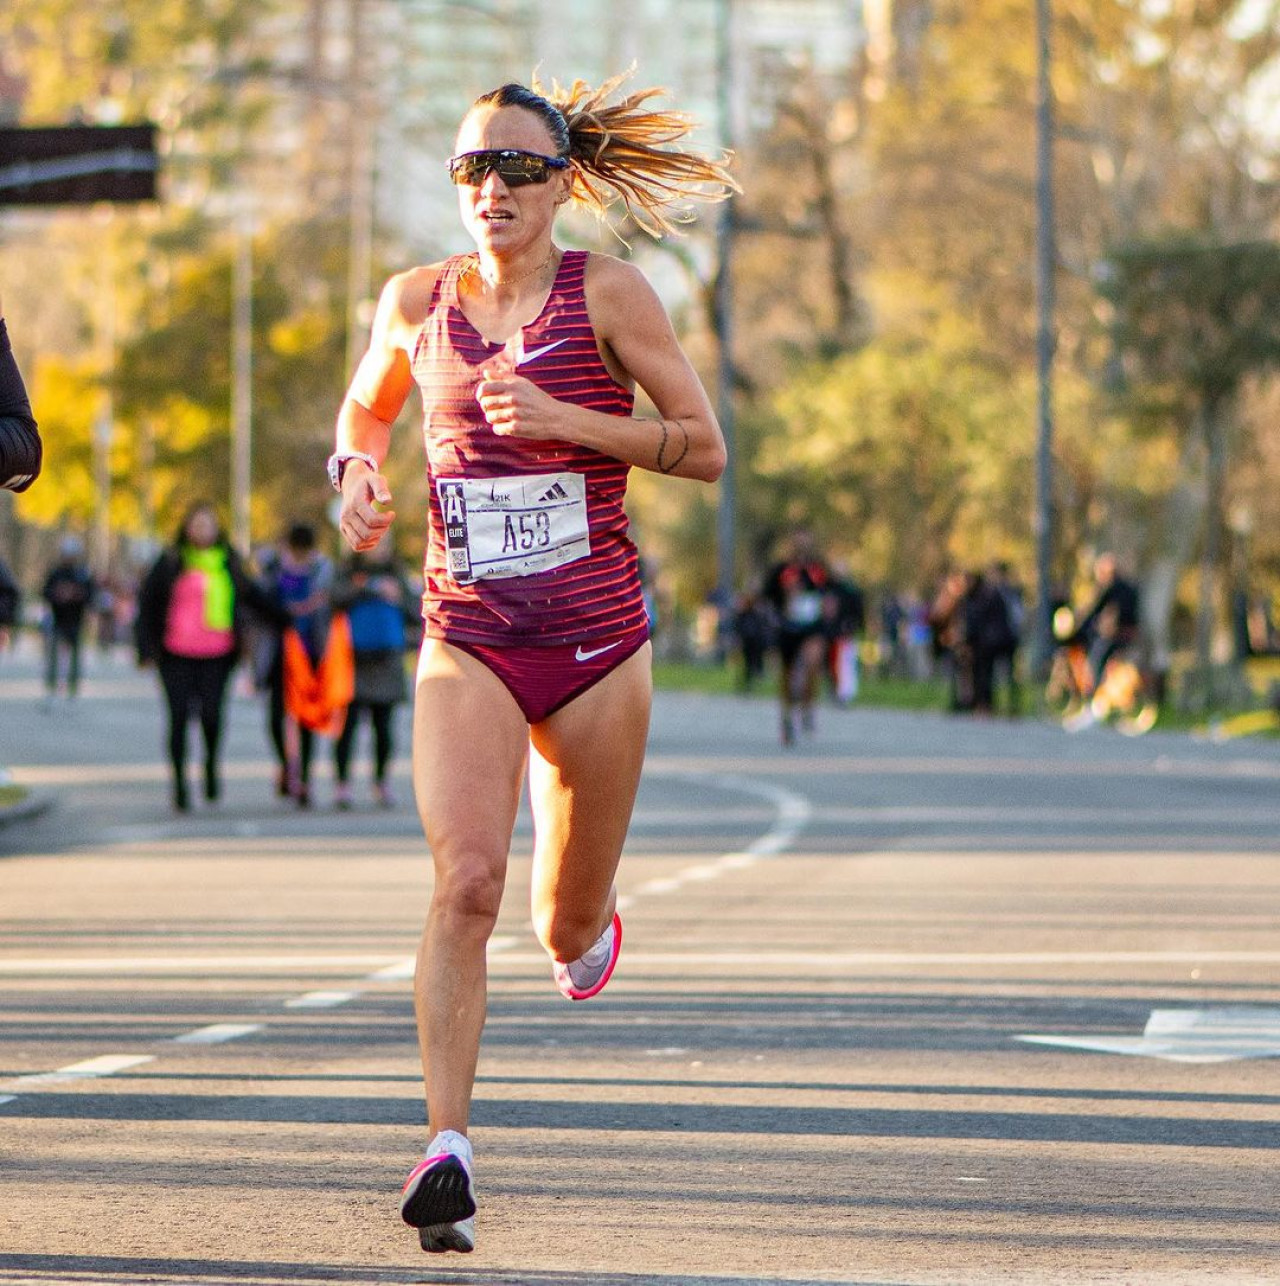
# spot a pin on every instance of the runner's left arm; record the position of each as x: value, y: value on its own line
x: 638, y: 345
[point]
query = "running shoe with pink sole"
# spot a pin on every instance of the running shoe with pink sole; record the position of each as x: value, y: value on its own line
x: 437, y: 1197
x: 586, y: 976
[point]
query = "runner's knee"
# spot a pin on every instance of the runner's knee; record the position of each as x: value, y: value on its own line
x: 566, y: 932
x: 468, y: 896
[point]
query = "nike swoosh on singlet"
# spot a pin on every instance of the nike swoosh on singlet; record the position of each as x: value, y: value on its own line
x: 525, y: 358
x: 580, y: 655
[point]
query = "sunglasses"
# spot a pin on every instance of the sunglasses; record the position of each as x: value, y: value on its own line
x: 514, y: 168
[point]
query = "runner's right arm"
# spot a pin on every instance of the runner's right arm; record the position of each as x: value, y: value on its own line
x: 377, y: 394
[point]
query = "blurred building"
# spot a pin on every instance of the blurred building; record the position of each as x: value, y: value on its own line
x: 436, y: 57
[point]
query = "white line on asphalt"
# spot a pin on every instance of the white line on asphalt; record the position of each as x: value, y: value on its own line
x: 1218, y: 1034
x: 1199, y: 818
x: 793, y: 812
x: 876, y: 959
x: 836, y: 959
x: 103, y: 1065
x: 183, y: 964
x: 7, y: 1098
x: 320, y: 999
x: 1163, y: 766
x: 217, y: 1033
x: 658, y: 887
x: 986, y: 766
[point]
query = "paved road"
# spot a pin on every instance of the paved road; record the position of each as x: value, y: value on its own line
x: 811, y: 1066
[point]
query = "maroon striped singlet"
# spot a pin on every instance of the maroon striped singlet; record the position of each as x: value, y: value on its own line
x: 496, y: 501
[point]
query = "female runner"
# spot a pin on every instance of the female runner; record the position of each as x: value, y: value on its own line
x: 536, y: 646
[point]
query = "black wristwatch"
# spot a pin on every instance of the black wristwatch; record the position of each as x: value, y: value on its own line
x: 339, y: 460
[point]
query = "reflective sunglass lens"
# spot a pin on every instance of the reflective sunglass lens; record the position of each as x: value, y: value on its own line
x: 513, y: 168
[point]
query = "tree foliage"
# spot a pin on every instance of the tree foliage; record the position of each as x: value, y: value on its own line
x: 885, y: 298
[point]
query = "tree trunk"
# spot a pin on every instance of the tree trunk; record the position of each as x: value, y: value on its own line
x: 1182, y: 513
x: 1215, y: 465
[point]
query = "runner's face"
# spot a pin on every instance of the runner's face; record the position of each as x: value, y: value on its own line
x: 502, y: 219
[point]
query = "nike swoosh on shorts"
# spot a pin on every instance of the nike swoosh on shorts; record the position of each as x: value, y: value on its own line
x: 580, y: 655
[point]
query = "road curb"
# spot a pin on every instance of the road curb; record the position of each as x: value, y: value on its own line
x: 35, y: 803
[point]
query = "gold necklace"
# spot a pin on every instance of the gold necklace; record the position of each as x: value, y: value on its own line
x: 474, y: 267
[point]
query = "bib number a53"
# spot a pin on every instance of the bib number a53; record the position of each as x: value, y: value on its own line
x: 517, y: 526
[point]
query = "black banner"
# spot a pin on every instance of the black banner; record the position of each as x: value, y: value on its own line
x: 77, y: 164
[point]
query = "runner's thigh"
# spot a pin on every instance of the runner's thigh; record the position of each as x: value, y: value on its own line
x: 583, y: 775
x: 470, y: 744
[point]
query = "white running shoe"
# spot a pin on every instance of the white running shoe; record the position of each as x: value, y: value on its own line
x: 438, y: 1198
x: 586, y: 976
x: 459, y: 1235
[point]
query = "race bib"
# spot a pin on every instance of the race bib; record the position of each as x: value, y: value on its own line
x: 521, y: 526
x: 804, y: 608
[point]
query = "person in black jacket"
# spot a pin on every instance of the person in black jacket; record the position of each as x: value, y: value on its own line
x: 21, y: 452
x: 68, y: 591
x: 191, y: 621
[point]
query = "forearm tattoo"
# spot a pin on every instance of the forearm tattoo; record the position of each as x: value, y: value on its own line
x: 665, y: 446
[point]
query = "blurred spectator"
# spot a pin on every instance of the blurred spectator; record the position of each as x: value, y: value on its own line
x: 753, y: 630
x: 948, y: 623
x: 846, y: 618
x: 989, y: 635
x: 798, y: 588
x: 190, y: 625
x: 21, y: 451
x: 373, y: 592
x: 919, y: 637
x: 10, y: 604
x: 1006, y: 657
x: 68, y: 591
x: 1111, y: 621
x: 298, y: 579
x: 892, y: 640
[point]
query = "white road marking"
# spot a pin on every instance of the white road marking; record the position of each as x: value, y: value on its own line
x: 1217, y: 1035
x: 103, y: 1065
x: 183, y: 964
x: 320, y: 999
x: 217, y: 1033
x: 763, y: 956
x: 658, y: 887
x: 793, y: 812
x: 839, y: 960
x: 1163, y: 766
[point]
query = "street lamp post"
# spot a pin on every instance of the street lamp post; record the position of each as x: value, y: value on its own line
x: 1046, y: 256
x: 242, y: 379
x: 726, y: 524
x: 104, y: 424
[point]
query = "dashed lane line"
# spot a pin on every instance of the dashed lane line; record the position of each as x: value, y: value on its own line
x: 217, y: 1033
x: 321, y: 999
x: 793, y: 813
x: 89, y: 1069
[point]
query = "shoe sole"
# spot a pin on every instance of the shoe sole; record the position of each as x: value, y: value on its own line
x: 437, y: 1194
x: 444, y: 1236
x: 570, y: 992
